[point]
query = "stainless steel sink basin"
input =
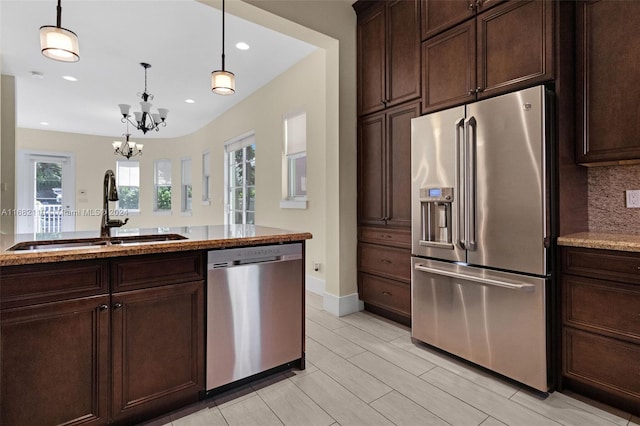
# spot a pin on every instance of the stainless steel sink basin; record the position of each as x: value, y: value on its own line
x: 94, y: 242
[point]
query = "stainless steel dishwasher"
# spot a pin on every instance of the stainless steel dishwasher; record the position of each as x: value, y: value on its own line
x: 255, y: 311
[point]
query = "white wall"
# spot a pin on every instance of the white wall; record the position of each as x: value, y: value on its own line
x: 303, y: 85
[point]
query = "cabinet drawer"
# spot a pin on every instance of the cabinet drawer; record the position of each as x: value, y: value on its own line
x: 48, y: 282
x: 602, y: 305
x: 389, y: 261
x: 155, y: 270
x: 387, y: 294
x: 602, y: 362
x: 614, y: 265
x: 387, y: 236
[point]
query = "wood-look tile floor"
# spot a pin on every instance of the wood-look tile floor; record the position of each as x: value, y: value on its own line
x: 364, y: 370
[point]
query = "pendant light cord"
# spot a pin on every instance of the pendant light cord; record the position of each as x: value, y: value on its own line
x: 59, y: 15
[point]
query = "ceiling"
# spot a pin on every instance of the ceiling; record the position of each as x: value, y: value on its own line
x: 181, y: 39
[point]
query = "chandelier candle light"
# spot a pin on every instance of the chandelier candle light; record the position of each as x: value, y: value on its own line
x: 129, y: 148
x: 223, y: 82
x: 145, y: 120
x: 59, y: 43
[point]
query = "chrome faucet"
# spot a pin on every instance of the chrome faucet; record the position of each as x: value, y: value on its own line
x: 109, y: 193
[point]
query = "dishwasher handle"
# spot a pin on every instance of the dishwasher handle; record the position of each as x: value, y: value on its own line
x: 211, y: 265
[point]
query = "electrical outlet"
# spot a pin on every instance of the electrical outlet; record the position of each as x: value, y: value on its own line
x: 633, y: 198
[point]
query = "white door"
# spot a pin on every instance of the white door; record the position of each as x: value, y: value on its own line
x: 45, y: 193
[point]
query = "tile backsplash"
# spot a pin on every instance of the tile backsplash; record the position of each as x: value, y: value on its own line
x: 607, y: 206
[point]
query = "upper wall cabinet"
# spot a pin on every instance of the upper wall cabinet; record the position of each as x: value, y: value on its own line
x: 438, y: 15
x: 388, y: 53
x: 607, y: 89
x: 506, y: 48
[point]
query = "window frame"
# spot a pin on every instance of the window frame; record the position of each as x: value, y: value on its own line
x: 240, y: 143
x: 156, y: 186
x: 186, y: 186
x: 118, y: 207
x: 290, y: 198
x: 206, y: 178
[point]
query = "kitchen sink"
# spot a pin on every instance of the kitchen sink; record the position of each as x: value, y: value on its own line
x: 81, y: 243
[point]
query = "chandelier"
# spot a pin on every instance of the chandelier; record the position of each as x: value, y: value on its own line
x: 144, y: 119
x: 127, y: 149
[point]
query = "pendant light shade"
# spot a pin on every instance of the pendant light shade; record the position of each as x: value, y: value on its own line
x: 223, y: 82
x: 59, y: 43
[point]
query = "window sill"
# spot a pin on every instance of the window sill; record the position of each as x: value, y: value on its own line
x: 293, y: 204
x: 186, y: 213
x: 162, y: 212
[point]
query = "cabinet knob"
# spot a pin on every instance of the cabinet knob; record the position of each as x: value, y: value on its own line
x: 471, y: 5
x: 385, y: 261
x: 103, y: 307
x: 118, y: 305
x: 389, y: 236
x: 386, y: 293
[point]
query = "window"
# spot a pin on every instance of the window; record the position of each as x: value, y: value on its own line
x: 186, y: 188
x: 295, y: 141
x: 128, y: 181
x: 162, y: 186
x: 240, y: 178
x: 206, y: 178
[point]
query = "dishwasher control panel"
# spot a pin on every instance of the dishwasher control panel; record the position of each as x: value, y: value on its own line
x: 246, y: 255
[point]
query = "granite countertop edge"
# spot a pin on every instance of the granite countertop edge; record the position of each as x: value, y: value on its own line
x: 602, y: 241
x: 263, y: 235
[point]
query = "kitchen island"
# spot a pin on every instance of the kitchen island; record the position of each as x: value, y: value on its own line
x: 600, y: 304
x: 111, y: 331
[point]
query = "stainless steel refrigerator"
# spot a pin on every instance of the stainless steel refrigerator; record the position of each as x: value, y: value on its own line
x: 481, y: 232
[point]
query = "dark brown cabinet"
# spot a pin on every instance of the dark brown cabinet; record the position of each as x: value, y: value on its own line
x: 388, y: 53
x: 55, y: 363
x: 80, y: 351
x: 607, y: 81
x: 600, y: 327
x: 384, y: 201
x: 384, y: 167
x: 503, y: 49
x: 54, y: 321
x: 439, y: 15
x: 158, y: 351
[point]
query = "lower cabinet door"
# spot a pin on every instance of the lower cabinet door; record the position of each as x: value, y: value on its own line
x: 55, y: 363
x: 609, y: 366
x: 393, y: 297
x: 158, y: 352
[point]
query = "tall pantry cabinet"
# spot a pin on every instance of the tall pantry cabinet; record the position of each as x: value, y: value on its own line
x: 388, y: 98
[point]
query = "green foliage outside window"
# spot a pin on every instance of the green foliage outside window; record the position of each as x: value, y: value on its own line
x: 163, y: 194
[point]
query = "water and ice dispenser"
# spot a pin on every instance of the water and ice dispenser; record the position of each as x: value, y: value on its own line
x: 437, y: 226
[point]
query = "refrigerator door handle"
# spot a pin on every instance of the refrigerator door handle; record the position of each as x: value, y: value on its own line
x: 460, y: 230
x: 507, y: 284
x: 470, y: 130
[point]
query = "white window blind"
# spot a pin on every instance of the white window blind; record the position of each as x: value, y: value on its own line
x: 242, y: 142
x: 295, y: 133
x: 186, y: 171
x: 128, y: 173
x: 163, y: 172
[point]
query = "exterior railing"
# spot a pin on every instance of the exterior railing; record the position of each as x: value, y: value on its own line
x: 49, y: 218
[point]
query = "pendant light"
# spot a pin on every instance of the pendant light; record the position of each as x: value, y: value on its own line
x: 59, y: 43
x: 223, y: 82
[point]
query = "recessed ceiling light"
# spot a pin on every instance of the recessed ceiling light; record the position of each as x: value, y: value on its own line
x: 242, y: 45
x: 44, y: 123
x: 69, y: 78
x: 190, y: 101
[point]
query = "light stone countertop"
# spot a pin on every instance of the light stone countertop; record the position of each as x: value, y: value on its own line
x: 197, y: 238
x: 602, y: 240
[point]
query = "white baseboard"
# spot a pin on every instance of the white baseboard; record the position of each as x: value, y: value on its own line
x: 335, y: 305
x: 344, y: 305
x: 314, y: 285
